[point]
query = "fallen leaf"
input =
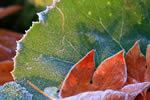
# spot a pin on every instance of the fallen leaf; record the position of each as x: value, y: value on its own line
x: 131, y: 80
x: 8, y: 44
x: 111, y: 74
x: 148, y: 56
x: 5, y: 68
x: 79, y: 77
x: 9, y: 10
x: 7, y: 52
x: 136, y: 63
x: 99, y: 95
x: 128, y: 92
x: 147, y: 73
x: 108, y: 82
x: 135, y: 89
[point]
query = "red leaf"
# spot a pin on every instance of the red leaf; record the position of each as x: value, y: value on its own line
x: 147, y: 73
x: 148, y: 56
x: 8, y: 44
x: 111, y: 74
x: 131, y: 80
x: 136, y: 63
x: 79, y: 77
x: 5, y: 68
x: 7, y: 52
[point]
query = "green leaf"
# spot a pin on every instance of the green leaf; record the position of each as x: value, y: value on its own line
x: 50, y: 49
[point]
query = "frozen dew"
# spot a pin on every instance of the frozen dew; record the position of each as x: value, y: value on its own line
x: 14, y: 91
x: 52, y: 91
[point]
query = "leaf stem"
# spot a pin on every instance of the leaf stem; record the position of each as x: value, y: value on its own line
x: 36, y: 88
x: 100, y: 22
x: 63, y: 18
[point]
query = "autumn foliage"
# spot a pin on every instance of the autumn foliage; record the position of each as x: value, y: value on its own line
x: 116, y: 78
x: 130, y: 75
x: 7, y: 46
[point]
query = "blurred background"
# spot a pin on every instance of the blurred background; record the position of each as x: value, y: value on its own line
x: 21, y: 20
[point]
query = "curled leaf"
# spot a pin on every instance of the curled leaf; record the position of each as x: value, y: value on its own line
x: 128, y: 92
x: 99, y: 95
x: 135, y: 89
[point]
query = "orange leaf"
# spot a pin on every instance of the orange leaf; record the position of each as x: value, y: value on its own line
x: 5, y: 68
x: 148, y: 56
x: 6, y: 53
x: 136, y: 63
x: 111, y: 74
x: 79, y: 77
x: 131, y: 80
x: 128, y: 92
x: 147, y: 73
x: 4, y: 33
x: 8, y: 44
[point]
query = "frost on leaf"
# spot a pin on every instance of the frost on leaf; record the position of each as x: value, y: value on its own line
x: 99, y: 95
x: 134, y: 89
x: 108, y: 82
x: 87, y: 26
x: 51, y: 91
x: 13, y: 91
x: 128, y: 92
